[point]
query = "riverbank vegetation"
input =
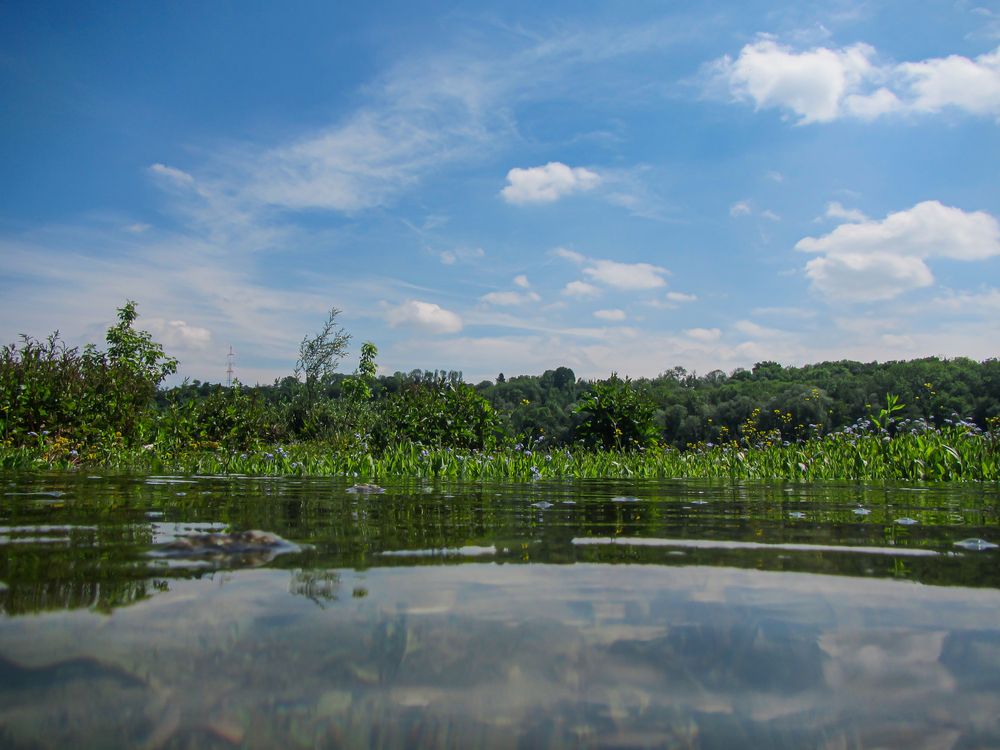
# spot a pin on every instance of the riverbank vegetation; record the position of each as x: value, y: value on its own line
x: 927, y: 419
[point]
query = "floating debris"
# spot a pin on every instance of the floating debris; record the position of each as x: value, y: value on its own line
x: 366, y: 489
x: 976, y: 545
x: 861, y: 512
x: 796, y: 514
x: 541, y: 505
x: 907, y: 521
x: 699, y: 502
x: 625, y: 499
x: 238, y: 548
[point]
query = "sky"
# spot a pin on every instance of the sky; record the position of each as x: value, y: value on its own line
x: 505, y: 187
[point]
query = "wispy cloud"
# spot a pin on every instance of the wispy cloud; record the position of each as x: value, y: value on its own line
x: 510, y: 299
x: 612, y: 316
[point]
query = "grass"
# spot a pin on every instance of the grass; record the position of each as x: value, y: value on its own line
x: 916, y: 451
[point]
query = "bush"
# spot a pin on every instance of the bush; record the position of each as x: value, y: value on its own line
x: 615, y: 417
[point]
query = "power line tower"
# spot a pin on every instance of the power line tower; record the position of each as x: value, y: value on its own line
x: 230, y: 358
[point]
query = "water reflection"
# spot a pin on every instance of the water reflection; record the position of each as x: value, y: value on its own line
x: 489, y: 655
x: 676, y: 614
x: 85, y: 542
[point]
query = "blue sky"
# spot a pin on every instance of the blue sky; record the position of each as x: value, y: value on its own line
x: 505, y: 188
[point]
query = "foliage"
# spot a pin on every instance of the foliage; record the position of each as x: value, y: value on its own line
x: 320, y: 355
x: 959, y: 451
x: 615, y: 416
x: 438, y: 414
x: 90, y: 403
x: 358, y: 387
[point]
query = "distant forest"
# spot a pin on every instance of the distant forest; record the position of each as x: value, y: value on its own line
x: 690, y: 408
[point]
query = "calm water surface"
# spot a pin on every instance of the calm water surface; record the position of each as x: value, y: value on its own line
x: 546, y: 614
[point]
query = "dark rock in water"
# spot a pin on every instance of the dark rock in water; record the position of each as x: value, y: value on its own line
x: 238, y: 548
x: 366, y: 489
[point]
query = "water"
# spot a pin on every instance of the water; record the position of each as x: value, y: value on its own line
x: 544, y: 614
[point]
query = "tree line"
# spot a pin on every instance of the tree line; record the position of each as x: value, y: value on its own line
x: 91, y: 403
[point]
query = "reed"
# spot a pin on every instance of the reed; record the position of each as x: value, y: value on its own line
x: 905, y: 451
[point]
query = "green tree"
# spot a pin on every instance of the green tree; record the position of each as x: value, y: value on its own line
x: 320, y: 355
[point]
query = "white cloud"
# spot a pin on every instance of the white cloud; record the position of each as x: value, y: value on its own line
x: 769, y: 215
x: 955, y: 81
x: 174, y: 175
x: 510, y: 299
x: 680, y: 297
x: 610, y: 315
x: 705, y: 335
x: 964, y: 303
x: 824, y: 84
x: 581, y: 289
x: 882, y: 259
x: 522, y: 281
x: 450, y: 257
x: 749, y: 328
x: 740, y: 208
x: 859, y: 278
x: 177, y: 334
x: 811, y: 84
x: 626, y: 276
x: 835, y: 210
x: 137, y: 228
x: 426, y: 315
x: 568, y: 254
x: 547, y: 183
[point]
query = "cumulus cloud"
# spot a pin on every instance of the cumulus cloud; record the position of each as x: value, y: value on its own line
x: 509, y: 299
x: 612, y: 273
x: 581, y: 289
x: 547, y: 183
x: 179, y: 334
x: 876, y: 260
x: 615, y: 316
x: 824, y: 84
x: 955, y: 81
x: 811, y: 84
x: 626, y: 276
x: 522, y: 281
x: 425, y: 315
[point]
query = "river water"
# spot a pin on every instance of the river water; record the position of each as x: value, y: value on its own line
x: 545, y: 614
